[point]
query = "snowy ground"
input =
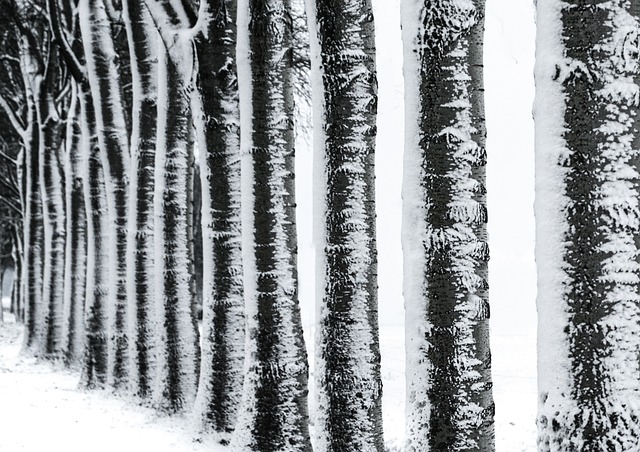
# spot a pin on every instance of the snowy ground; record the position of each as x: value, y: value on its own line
x: 42, y: 408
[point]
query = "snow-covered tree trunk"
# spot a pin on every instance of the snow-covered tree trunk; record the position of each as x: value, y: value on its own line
x: 53, y: 211
x: 588, y: 225
x: 143, y: 45
x: 449, y: 398
x: 96, y: 354
x: 106, y: 90
x: 76, y: 226
x: 33, y: 231
x: 222, y: 364
x: 178, y: 349
x: 347, y: 370
x: 274, y: 413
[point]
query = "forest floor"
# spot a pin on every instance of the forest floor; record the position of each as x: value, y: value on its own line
x: 43, y: 409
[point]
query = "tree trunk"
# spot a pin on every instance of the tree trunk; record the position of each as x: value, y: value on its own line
x: 349, y: 414
x: 143, y: 45
x: 76, y: 252
x: 273, y: 414
x: 450, y: 403
x: 33, y: 236
x: 588, y: 225
x: 221, y: 374
x: 96, y: 355
x: 111, y: 127
x: 178, y: 353
x: 53, y: 211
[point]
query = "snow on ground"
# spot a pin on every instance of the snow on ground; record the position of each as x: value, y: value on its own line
x: 43, y: 409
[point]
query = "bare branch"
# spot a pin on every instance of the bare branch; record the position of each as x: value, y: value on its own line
x: 15, y: 120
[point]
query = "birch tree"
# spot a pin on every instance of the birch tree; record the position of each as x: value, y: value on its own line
x: 444, y: 238
x: 273, y: 414
x: 221, y: 374
x: 588, y: 225
x: 348, y: 382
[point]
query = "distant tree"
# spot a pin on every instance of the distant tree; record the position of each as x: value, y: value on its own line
x: 588, y: 225
x: 273, y: 414
x: 450, y: 404
x: 349, y: 409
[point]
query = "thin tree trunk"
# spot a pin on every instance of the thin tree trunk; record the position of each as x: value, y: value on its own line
x: 221, y: 375
x: 96, y: 355
x: 274, y: 413
x: 76, y: 262
x: 143, y: 44
x: 588, y: 225
x: 349, y: 414
x: 449, y: 396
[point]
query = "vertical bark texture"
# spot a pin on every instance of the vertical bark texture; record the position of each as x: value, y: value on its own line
x: 95, y: 361
x: 106, y: 90
x: 76, y: 226
x: 588, y: 219
x: 221, y: 375
x: 143, y: 44
x: 348, y: 382
x: 450, y: 403
x: 273, y: 415
x: 178, y: 352
x: 53, y: 212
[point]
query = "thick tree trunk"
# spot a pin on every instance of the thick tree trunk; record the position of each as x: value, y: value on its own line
x: 221, y: 374
x: 178, y: 352
x: 143, y: 44
x: 349, y: 414
x: 273, y: 414
x: 588, y: 225
x: 76, y: 252
x: 96, y: 366
x: 449, y: 396
x: 111, y: 126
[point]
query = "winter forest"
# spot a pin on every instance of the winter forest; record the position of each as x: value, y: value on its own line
x: 266, y: 225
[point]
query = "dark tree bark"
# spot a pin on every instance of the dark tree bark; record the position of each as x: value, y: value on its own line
x: 273, y: 415
x: 449, y: 395
x: 106, y: 92
x: 76, y: 218
x: 95, y: 368
x: 221, y: 375
x: 143, y: 44
x: 588, y: 220
x: 349, y: 414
